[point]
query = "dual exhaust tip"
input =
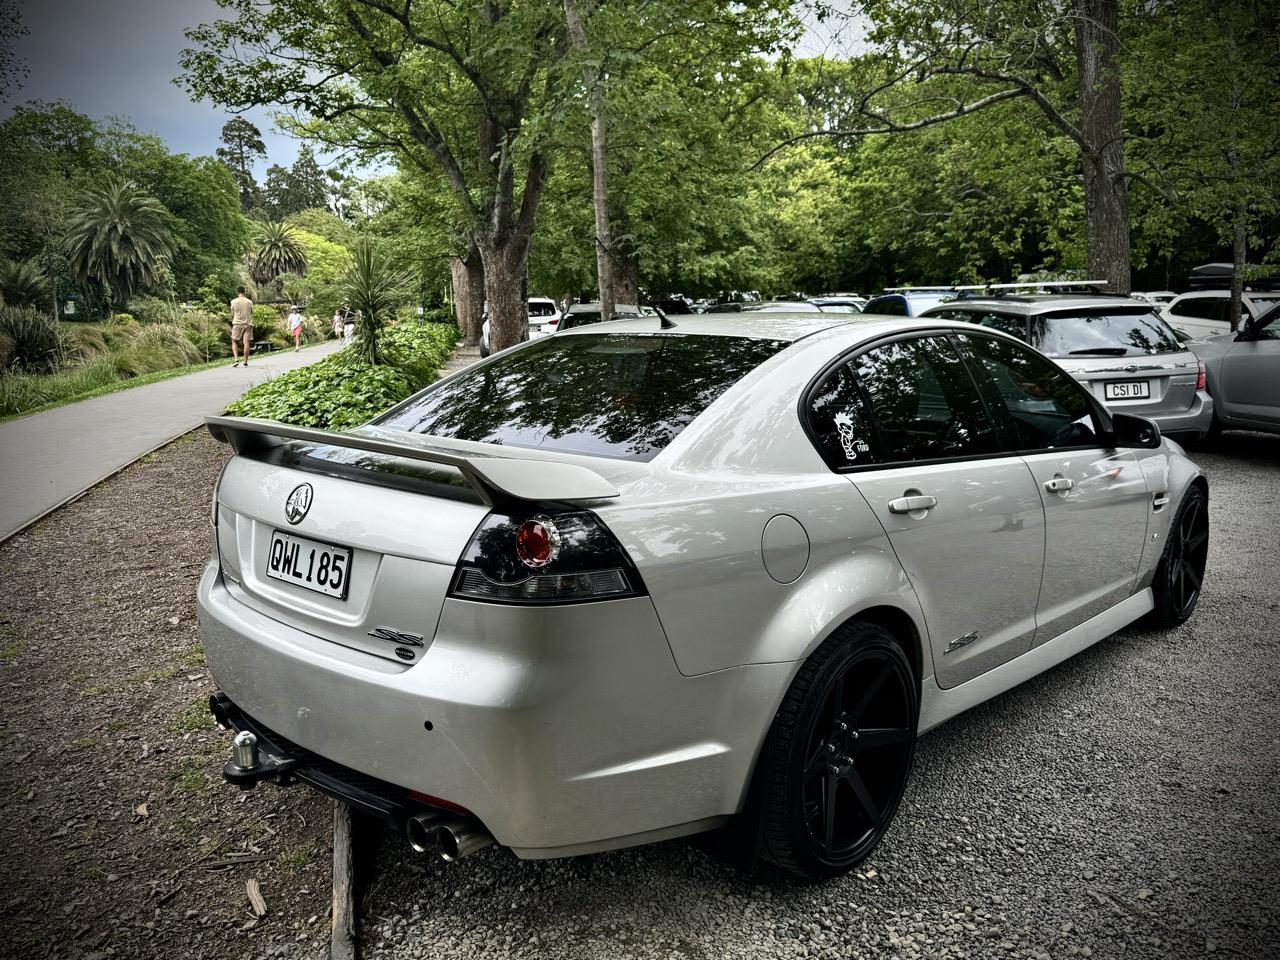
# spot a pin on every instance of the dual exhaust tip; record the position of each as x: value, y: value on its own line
x: 450, y: 836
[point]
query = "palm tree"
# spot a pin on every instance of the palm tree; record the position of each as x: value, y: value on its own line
x: 22, y: 283
x: 276, y: 250
x: 375, y: 287
x: 120, y: 237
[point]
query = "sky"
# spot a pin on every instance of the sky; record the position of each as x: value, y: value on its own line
x: 119, y: 58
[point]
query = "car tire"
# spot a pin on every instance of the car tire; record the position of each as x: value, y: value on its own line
x: 837, y: 757
x: 1180, y: 574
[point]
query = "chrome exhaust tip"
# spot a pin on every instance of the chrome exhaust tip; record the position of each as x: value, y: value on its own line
x: 456, y: 839
x: 420, y: 830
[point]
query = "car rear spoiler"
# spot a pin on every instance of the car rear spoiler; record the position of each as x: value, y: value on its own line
x: 493, y: 478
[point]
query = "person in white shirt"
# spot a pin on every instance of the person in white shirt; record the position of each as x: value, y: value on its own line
x: 295, y: 327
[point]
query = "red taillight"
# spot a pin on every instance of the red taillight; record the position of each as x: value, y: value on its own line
x: 552, y: 323
x: 537, y: 542
x: 1200, y: 380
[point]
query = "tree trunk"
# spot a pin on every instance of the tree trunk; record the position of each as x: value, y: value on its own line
x: 468, y: 293
x: 505, y: 265
x: 599, y: 165
x: 1106, y: 191
x: 1239, y: 251
x: 625, y: 260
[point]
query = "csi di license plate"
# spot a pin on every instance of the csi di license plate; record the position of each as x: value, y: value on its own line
x: 309, y: 564
x: 1126, y: 390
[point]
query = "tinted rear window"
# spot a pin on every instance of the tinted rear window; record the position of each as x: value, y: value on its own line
x: 1102, y: 333
x: 611, y: 395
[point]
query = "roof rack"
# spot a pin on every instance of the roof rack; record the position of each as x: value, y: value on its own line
x: 1000, y: 287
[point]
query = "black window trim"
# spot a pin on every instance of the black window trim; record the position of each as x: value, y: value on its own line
x: 807, y: 396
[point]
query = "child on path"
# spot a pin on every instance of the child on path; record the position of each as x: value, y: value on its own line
x: 295, y: 327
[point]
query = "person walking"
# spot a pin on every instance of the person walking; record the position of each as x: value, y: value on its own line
x: 241, y: 326
x: 295, y: 327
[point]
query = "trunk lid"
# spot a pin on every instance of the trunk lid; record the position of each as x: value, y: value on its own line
x: 404, y: 547
x: 1168, y: 379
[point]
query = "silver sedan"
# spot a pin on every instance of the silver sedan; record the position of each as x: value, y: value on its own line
x: 626, y: 584
x: 1243, y: 372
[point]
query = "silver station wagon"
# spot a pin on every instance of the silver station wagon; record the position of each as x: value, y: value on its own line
x: 1122, y: 350
x: 639, y: 580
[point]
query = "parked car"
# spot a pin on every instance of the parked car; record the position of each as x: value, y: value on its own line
x: 585, y: 314
x: 1243, y: 371
x: 1158, y: 297
x: 781, y: 306
x: 542, y: 313
x: 840, y: 304
x: 907, y: 301
x: 1206, y: 313
x: 1120, y: 349
x: 627, y: 583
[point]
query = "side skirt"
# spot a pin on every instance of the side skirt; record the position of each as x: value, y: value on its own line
x: 938, y: 705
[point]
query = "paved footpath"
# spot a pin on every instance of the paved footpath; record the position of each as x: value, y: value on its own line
x: 48, y: 458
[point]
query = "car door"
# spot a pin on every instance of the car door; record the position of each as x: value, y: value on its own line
x: 1249, y: 377
x: 905, y: 422
x: 1096, y: 501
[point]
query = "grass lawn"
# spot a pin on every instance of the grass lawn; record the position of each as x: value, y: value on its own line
x: 120, y: 385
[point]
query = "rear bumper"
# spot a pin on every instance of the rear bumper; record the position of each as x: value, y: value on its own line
x: 1195, y: 421
x: 565, y: 730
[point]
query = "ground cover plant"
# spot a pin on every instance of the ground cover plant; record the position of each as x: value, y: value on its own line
x: 344, y: 390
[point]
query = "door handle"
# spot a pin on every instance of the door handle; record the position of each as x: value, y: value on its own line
x: 1059, y: 484
x: 912, y: 504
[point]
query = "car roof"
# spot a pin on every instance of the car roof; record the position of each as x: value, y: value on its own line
x: 1042, y: 303
x: 594, y: 307
x: 788, y: 327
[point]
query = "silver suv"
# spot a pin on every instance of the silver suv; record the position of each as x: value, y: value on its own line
x: 1122, y: 350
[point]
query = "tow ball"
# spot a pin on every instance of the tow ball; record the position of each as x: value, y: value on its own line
x: 249, y: 763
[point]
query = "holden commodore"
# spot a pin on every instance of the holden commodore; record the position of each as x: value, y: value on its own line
x: 620, y: 585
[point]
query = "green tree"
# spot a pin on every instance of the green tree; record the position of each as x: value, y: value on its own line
x: 241, y: 147
x: 1203, y: 78
x: 120, y: 237
x: 276, y: 250
x: 209, y: 231
x: 934, y: 62
x: 327, y: 266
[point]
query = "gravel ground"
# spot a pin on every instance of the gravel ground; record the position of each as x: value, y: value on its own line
x: 117, y: 835
x: 1121, y: 805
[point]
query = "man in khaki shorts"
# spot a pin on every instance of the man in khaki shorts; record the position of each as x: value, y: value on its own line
x: 241, y: 326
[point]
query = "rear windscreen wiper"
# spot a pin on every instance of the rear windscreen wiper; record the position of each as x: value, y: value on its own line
x: 1100, y: 352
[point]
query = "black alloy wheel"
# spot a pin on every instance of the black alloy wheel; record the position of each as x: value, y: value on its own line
x: 840, y: 753
x: 1180, y: 575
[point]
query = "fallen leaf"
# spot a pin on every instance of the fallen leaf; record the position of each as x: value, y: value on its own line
x: 1144, y: 893
x: 141, y: 810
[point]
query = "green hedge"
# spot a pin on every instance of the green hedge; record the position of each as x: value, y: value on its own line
x: 340, y: 391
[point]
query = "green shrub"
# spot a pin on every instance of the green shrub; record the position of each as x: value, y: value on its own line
x: 39, y: 345
x: 88, y: 339
x: 148, y: 310
x: 341, y: 391
x: 209, y: 334
x: 25, y: 391
x: 161, y: 346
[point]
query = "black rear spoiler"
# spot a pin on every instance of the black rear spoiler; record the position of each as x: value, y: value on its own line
x: 493, y: 478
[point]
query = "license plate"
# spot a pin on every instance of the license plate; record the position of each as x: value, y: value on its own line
x: 309, y: 564
x: 1126, y: 390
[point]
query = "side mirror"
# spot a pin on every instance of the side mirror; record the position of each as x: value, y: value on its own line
x: 1130, y: 431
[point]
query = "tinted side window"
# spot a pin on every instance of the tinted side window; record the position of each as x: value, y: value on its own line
x: 924, y: 402
x: 889, y: 306
x: 839, y: 421
x: 1014, y: 326
x: 1047, y: 408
